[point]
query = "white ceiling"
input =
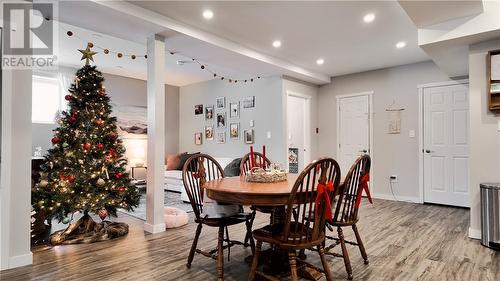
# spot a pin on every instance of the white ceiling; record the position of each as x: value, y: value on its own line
x: 334, y: 31
x: 426, y: 13
x: 331, y: 30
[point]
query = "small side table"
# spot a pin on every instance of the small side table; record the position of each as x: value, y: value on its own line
x: 137, y: 167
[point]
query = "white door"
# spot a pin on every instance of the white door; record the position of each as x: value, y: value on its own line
x: 446, y: 145
x: 354, y: 129
x: 297, y: 128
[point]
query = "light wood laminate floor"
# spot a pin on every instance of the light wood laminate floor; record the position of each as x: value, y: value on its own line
x: 404, y: 241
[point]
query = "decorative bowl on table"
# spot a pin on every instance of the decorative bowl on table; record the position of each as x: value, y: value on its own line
x: 258, y: 174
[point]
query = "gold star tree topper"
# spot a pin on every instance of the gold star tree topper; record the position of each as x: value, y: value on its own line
x: 87, y: 55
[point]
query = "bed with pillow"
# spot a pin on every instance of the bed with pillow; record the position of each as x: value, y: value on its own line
x: 173, y: 172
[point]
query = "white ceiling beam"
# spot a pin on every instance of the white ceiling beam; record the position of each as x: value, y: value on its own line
x: 169, y: 23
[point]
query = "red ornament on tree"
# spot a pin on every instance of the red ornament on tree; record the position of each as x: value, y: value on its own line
x: 72, y: 119
x: 119, y: 175
x: 103, y: 213
x: 86, y: 146
x: 75, y: 113
x: 100, y: 146
x: 113, y: 136
x: 99, y: 122
x: 71, y: 178
x: 102, y: 92
x: 68, y: 97
x: 121, y: 189
x: 55, y: 140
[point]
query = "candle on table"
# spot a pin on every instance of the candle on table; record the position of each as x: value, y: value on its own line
x: 264, y: 163
x: 252, y: 159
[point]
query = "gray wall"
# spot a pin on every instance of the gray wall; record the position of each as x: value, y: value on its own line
x: 268, y: 115
x: 484, y: 135
x: 125, y: 91
x: 392, y: 154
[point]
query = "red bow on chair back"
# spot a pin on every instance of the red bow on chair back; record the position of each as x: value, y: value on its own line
x: 324, y: 190
x: 363, y: 185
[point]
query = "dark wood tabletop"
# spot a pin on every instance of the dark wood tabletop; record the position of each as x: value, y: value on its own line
x: 236, y: 190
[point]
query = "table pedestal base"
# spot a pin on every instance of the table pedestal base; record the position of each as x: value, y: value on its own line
x: 275, y: 265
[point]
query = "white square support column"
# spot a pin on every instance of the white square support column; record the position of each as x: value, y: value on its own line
x: 156, y: 135
x: 15, y: 184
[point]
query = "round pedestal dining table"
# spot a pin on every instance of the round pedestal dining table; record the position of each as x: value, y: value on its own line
x: 237, y: 190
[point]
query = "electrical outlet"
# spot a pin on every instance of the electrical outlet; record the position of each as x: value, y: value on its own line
x: 393, y: 178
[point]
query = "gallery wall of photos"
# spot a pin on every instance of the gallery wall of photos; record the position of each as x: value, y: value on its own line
x: 222, y: 120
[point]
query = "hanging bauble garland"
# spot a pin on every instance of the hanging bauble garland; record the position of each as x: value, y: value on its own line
x: 120, y: 55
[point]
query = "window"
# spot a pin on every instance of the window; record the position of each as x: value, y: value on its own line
x: 47, y: 100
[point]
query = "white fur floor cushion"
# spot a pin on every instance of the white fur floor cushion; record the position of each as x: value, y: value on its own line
x: 175, y: 217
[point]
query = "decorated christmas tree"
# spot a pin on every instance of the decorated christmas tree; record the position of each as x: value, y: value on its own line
x: 85, y: 170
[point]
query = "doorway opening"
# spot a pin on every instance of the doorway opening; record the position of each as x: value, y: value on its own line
x: 299, y: 129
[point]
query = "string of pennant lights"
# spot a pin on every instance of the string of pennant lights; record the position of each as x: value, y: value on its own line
x: 120, y: 55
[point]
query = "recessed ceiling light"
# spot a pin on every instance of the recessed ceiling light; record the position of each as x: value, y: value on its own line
x: 401, y: 44
x: 276, y: 43
x: 369, y: 17
x: 208, y: 14
x: 320, y: 61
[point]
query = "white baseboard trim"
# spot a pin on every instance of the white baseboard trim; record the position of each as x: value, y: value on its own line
x: 399, y: 198
x: 20, y: 260
x: 154, y: 228
x: 474, y: 233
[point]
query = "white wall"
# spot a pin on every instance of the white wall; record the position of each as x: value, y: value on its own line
x: 268, y: 115
x: 392, y: 154
x: 484, y: 137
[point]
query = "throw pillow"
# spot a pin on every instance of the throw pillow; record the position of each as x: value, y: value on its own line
x: 233, y: 169
x: 173, y: 162
x: 184, y: 158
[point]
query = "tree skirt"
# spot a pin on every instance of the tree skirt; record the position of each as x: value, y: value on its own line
x: 172, y: 199
x: 86, y: 230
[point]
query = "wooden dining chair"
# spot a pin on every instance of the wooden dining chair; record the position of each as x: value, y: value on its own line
x: 245, y: 162
x: 197, y: 170
x: 346, y: 210
x: 310, y: 197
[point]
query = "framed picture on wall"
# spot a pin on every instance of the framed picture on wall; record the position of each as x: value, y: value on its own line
x: 221, y: 137
x: 209, y: 133
x: 249, y: 102
x: 234, y: 110
x: 198, y: 109
x: 221, y: 102
x: 209, y: 113
x: 248, y: 135
x: 198, y: 138
x: 234, y: 130
x: 221, y: 120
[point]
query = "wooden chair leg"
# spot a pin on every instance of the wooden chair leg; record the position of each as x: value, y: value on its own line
x: 292, y: 256
x: 249, y: 233
x: 248, y: 236
x: 326, y: 267
x: 193, y: 246
x: 360, y: 244
x: 255, y: 261
x: 220, y: 254
x: 344, y: 253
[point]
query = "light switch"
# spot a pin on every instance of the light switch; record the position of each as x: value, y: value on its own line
x: 251, y: 123
x: 268, y: 134
x: 411, y: 133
